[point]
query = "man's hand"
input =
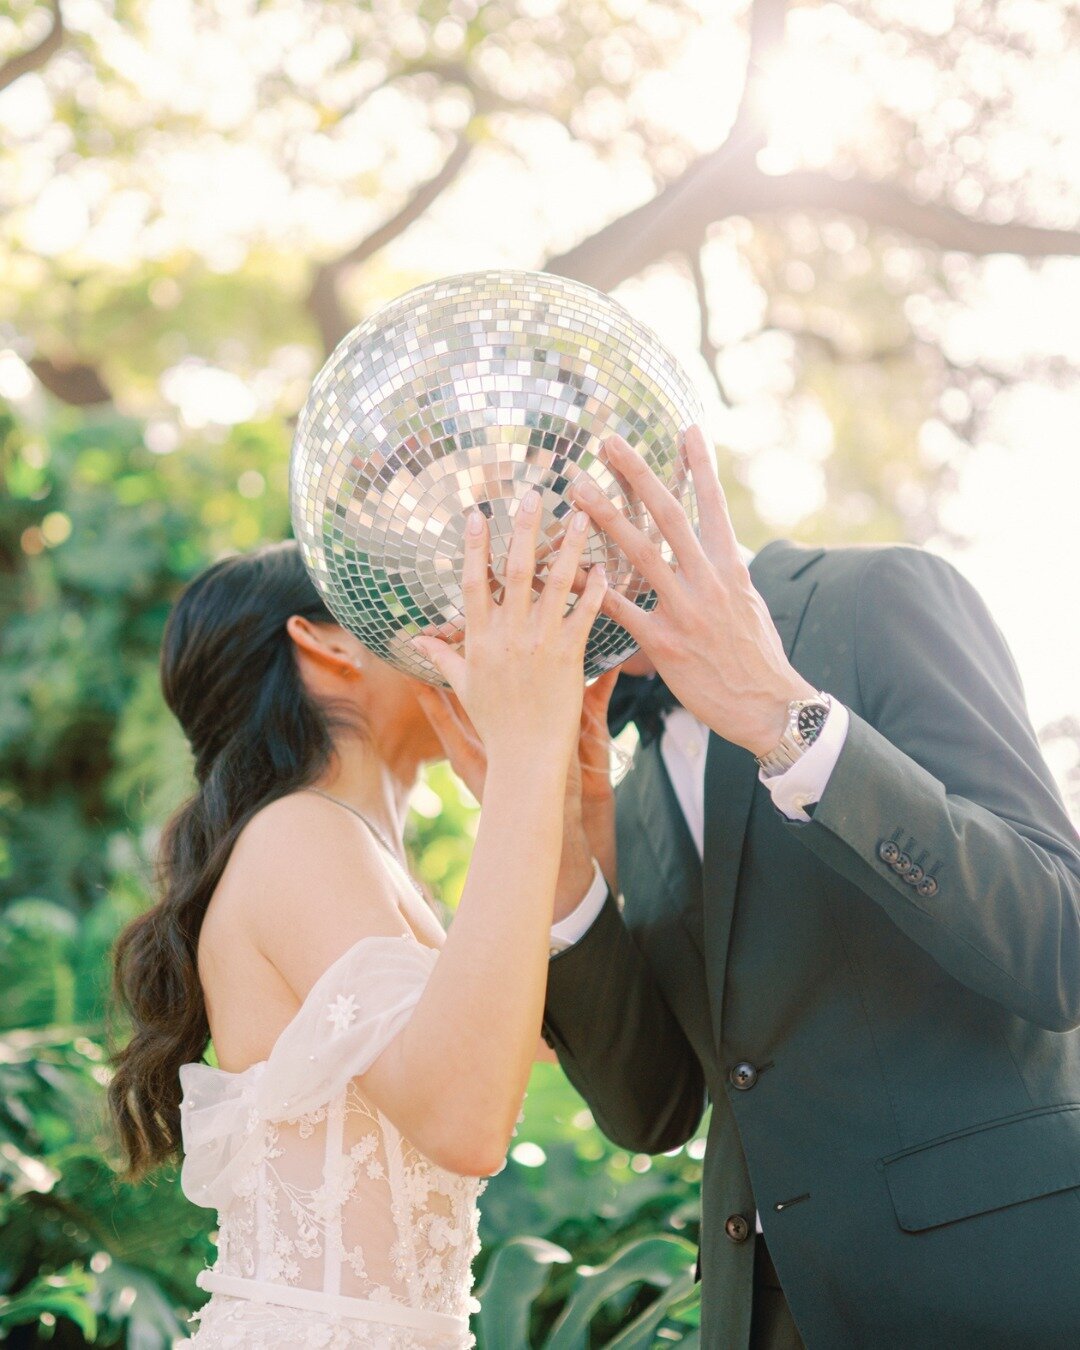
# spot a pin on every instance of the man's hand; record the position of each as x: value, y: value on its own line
x: 457, y: 736
x: 594, y: 769
x: 710, y: 636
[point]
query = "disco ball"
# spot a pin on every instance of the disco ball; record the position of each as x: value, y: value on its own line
x: 465, y: 393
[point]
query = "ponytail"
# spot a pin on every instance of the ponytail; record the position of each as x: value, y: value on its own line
x: 229, y: 674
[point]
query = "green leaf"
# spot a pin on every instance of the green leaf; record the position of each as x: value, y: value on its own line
x: 515, y: 1276
x: 61, y: 1295
x: 661, y: 1261
x: 134, y: 1299
x: 641, y: 1333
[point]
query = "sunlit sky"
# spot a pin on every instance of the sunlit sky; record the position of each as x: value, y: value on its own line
x: 1019, y: 492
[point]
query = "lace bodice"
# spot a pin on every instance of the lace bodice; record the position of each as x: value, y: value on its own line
x: 317, y: 1193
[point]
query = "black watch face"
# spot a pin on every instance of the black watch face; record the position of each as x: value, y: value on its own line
x: 811, y: 720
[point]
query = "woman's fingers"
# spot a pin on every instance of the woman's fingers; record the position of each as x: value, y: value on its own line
x: 447, y: 660
x: 581, y: 618
x: 521, y: 559
x: 564, y: 573
x: 475, y: 588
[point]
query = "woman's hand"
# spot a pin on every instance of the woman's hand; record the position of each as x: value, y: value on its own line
x: 520, y: 680
x: 589, y: 816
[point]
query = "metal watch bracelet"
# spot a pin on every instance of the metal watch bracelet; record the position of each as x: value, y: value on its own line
x: 797, y: 738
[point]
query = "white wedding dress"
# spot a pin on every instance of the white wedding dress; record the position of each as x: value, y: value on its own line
x: 333, y: 1229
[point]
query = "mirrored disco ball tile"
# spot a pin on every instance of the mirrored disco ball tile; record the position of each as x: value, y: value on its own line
x: 468, y: 392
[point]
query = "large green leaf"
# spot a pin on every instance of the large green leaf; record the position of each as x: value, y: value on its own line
x: 641, y: 1334
x: 515, y: 1275
x: 133, y: 1300
x: 64, y: 1294
x: 661, y: 1261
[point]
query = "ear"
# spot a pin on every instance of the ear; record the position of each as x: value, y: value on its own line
x: 324, y: 644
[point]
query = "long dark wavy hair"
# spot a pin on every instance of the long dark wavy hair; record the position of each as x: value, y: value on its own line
x: 229, y: 674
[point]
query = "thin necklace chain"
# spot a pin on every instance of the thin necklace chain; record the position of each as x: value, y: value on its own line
x: 378, y: 835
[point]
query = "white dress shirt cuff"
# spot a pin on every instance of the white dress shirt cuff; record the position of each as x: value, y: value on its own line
x: 578, y: 922
x: 805, y: 782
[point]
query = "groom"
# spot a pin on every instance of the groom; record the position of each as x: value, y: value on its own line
x: 851, y: 922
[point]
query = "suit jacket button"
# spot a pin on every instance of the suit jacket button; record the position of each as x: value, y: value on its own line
x: 888, y: 851
x: 914, y: 874
x: 901, y: 863
x: 743, y: 1076
x: 928, y: 888
x: 737, y: 1229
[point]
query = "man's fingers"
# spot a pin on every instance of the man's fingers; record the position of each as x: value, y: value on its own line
x: 717, y: 532
x: 475, y: 589
x: 456, y: 711
x: 642, y: 552
x: 597, y: 696
x: 664, y: 508
x: 628, y: 615
x: 521, y: 559
x: 439, y: 712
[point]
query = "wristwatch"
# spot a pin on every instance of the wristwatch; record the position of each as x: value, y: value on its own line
x: 806, y: 719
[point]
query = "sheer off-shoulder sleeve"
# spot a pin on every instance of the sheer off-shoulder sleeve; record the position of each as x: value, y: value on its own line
x: 352, y: 1013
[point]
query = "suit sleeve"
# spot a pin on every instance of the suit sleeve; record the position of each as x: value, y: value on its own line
x: 619, y: 1042
x: 941, y: 807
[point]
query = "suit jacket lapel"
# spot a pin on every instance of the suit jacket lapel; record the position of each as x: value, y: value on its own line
x: 731, y: 774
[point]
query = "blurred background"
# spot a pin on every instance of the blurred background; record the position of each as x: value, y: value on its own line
x: 856, y: 224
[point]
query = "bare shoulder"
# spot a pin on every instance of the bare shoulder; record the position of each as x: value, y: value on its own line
x: 306, y: 881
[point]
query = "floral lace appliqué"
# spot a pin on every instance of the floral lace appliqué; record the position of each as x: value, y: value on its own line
x: 342, y: 1012
x: 326, y: 1199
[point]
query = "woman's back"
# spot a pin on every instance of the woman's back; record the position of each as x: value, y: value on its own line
x: 284, y: 860
x: 321, y: 1200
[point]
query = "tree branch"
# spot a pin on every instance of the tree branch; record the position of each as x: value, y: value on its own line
x: 76, y: 383
x: 835, y: 351
x: 709, y: 351
x: 324, y: 301
x: 35, y: 57
x: 768, y: 20
x: 893, y: 208
x: 726, y: 183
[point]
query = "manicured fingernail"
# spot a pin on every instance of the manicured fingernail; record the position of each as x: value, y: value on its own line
x: 475, y: 523
x: 585, y: 487
x: 530, y: 503
x: 580, y: 523
x: 601, y: 571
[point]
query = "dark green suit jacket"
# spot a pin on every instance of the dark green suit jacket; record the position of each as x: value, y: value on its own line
x: 907, y: 1115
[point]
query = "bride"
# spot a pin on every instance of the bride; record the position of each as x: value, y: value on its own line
x: 370, y: 1067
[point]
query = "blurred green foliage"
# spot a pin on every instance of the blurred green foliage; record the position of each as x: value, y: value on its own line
x: 184, y: 235
x: 97, y: 533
